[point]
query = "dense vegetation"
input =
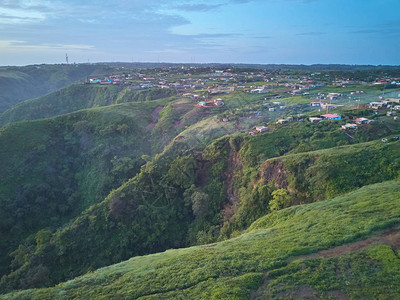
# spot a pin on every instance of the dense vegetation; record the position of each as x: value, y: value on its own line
x: 56, y: 168
x: 259, y: 262
x: 180, y: 199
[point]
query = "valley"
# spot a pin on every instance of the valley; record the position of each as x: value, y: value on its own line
x: 200, y: 182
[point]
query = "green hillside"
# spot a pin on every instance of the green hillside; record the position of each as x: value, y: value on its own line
x: 184, y: 197
x: 76, y: 97
x: 21, y: 83
x: 101, y: 182
x: 270, y: 260
x: 55, y: 168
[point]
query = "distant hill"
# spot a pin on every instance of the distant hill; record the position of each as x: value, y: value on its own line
x: 288, y: 254
x: 21, y: 83
x: 316, y: 67
x: 76, y: 97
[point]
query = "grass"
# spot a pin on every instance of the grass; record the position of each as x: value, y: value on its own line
x: 231, y: 269
x: 369, y: 274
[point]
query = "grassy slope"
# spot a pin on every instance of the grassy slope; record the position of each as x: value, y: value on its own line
x: 231, y: 269
x: 20, y: 83
x: 55, y: 168
x: 76, y: 97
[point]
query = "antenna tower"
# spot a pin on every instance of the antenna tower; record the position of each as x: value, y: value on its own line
x: 66, y: 57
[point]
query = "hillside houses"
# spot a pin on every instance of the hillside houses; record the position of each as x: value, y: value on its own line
x: 333, y: 96
x: 259, y: 129
x: 330, y: 106
x: 376, y: 105
x: 220, y: 90
x: 361, y: 121
x: 316, y: 104
x: 349, y: 126
x: 212, y: 103
x: 284, y: 121
x: 315, y: 120
x: 259, y: 91
x: 331, y: 117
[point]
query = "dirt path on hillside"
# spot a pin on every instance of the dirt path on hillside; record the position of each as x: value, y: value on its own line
x: 389, y: 237
x: 155, y: 114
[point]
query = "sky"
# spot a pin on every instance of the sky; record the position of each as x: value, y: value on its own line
x: 187, y: 31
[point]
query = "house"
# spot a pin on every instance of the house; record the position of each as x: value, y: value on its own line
x: 261, y: 129
x: 271, y: 109
x: 259, y: 91
x: 316, y: 104
x: 282, y: 121
x: 333, y: 96
x: 391, y: 113
x: 95, y: 80
x: 397, y: 107
x: 314, y: 119
x: 296, y: 92
x: 300, y: 117
x: 375, y: 105
x: 363, y: 121
x: 331, y: 117
x: 349, y: 126
x: 328, y: 106
x: 218, y: 102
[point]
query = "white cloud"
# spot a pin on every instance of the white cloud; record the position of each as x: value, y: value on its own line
x: 15, y: 45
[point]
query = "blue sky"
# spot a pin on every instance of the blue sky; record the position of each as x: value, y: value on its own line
x: 235, y: 31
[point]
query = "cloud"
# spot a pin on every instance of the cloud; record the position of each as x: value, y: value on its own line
x: 196, y: 7
x: 377, y: 31
x: 311, y: 33
x: 15, y: 44
x: 263, y: 37
x: 248, y: 1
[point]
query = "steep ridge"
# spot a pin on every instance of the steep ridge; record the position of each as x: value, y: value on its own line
x: 258, y: 263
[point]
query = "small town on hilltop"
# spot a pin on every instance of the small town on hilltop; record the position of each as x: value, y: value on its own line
x: 276, y: 96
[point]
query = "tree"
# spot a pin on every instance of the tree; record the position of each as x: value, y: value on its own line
x: 280, y: 199
x: 200, y: 204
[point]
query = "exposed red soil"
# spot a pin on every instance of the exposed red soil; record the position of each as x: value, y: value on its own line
x: 155, y: 114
